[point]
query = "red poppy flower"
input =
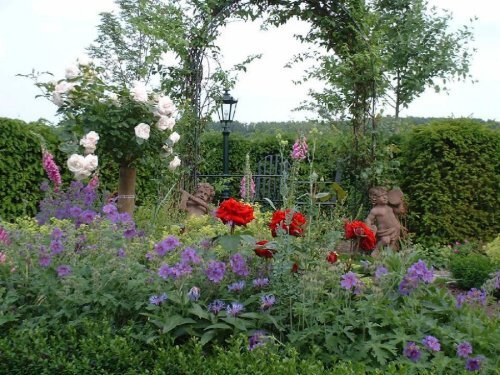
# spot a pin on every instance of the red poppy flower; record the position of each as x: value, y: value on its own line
x: 263, y: 252
x: 295, y: 268
x: 235, y: 212
x: 280, y: 218
x: 358, y: 229
x: 332, y: 257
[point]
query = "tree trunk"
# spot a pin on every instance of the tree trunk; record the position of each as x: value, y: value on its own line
x: 126, y: 190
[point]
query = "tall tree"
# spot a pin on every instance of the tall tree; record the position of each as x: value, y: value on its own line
x: 419, y: 50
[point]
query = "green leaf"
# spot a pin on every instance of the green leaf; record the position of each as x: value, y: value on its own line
x: 218, y: 326
x: 229, y: 243
x: 176, y: 321
x: 207, y: 337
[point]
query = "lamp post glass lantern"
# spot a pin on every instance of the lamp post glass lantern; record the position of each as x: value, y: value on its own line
x: 226, y: 111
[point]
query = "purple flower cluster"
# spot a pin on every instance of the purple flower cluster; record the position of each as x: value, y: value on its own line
x: 234, y: 309
x: 260, y: 283
x: 256, y: 340
x: 464, y: 349
x: 472, y: 297
x: 380, y: 271
x: 267, y: 301
x: 237, y: 286
x: 416, y: 273
x: 168, y: 244
x: 77, y: 204
x: 175, y: 272
x: 194, y: 293
x: 189, y: 255
x: 431, y: 343
x: 350, y: 281
x: 216, y: 306
x: 63, y: 271
x: 215, y: 271
x: 474, y: 364
x: 412, y: 351
x: 52, y: 169
x: 120, y: 253
x: 4, y: 236
x: 238, y: 265
x: 158, y: 300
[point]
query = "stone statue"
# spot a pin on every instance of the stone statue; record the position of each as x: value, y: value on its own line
x: 383, y: 219
x: 199, y: 203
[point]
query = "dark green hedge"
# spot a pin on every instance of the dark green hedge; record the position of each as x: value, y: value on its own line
x: 451, y: 175
x: 95, y: 347
x: 21, y: 171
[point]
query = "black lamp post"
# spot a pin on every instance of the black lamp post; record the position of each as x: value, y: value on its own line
x: 225, y: 111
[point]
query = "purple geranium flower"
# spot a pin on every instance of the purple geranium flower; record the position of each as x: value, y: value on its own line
x: 237, y: 286
x: 238, y: 265
x: 168, y: 244
x: 380, y: 271
x: 56, y: 247
x: 87, y: 216
x: 109, y: 209
x: 75, y: 211
x: 129, y: 233
x: 63, y: 270
x: 56, y: 234
x: 189, y: 255
x: 474, y: 364
x: 349, y: 280
x: 431, y: 343
x: 412, y: 351
x: 215, y: 271
x: 120, y: 253
x: 216, y: 306
x: 234, y: 309
x: 44, y: 260
x: 464, y: 349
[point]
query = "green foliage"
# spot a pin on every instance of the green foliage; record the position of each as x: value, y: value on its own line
x: 419, y: 50
x: 472, y: 270
x: 434, y: 255
x: 492, y: 249
x: 21, y: 171
x: 450, y: 175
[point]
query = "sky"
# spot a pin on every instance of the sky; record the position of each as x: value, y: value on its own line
x: 49, y: 35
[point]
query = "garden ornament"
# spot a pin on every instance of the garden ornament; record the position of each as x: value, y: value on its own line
x: 383, y: 217
x: 199, y: 203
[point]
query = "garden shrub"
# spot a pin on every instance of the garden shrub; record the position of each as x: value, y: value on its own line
x: 471, y: 271
x: 450, y: 174
x: 492, y: 249
x: 21, y: 171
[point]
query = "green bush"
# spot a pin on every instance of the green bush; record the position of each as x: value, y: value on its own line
x: 471, y: 271
x: 21, y: 171
x: 451, y: 173
x: 97, y: 347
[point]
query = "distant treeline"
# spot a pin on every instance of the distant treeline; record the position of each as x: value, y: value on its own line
x: 383, y: 123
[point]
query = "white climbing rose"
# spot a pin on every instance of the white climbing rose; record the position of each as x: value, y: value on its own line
x: 174, y: 137
x: 142, y: 131
x: 176, y: 162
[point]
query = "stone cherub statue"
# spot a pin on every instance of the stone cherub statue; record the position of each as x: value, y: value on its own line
x: 383, y: 217
x: 199, y: 203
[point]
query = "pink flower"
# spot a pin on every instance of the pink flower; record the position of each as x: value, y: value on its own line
x: 4, y: 237
x: 300, y: 149
x: 52, y: 169
x: 243, y: 188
